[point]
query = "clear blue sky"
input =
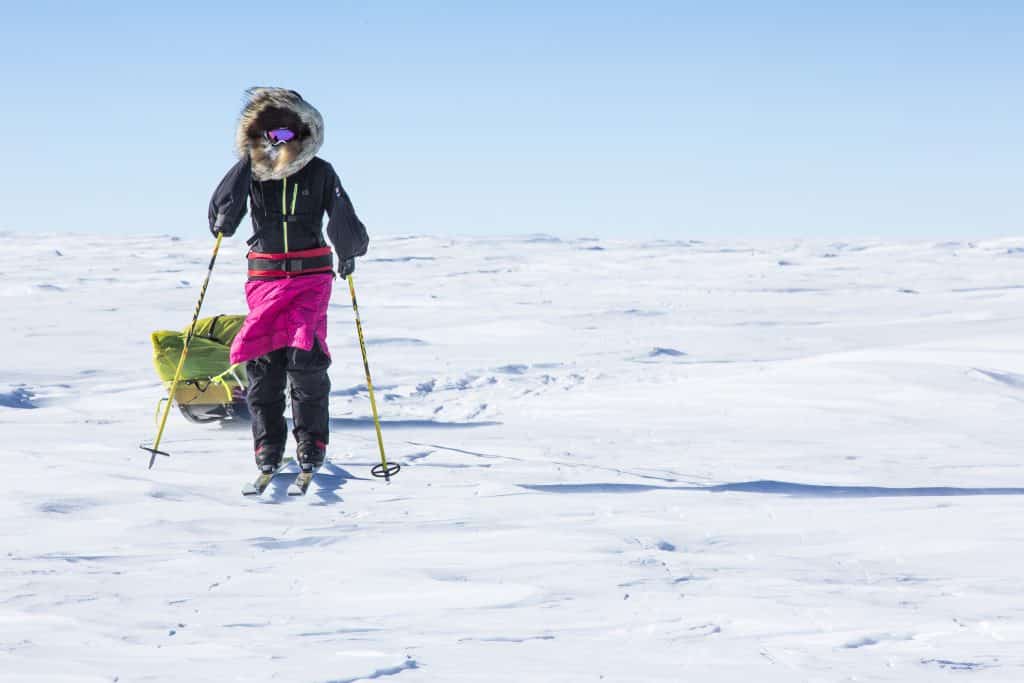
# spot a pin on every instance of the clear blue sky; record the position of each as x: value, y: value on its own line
x: 648, y: 119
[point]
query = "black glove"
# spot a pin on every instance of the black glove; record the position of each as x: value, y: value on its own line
x: 218, y: 224
x: 346, y: 267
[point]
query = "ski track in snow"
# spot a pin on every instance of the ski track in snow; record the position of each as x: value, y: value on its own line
x: 663, y: 461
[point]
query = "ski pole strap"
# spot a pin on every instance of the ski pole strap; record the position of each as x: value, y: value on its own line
x: 274, y: 266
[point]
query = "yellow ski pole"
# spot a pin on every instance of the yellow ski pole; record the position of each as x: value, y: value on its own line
x: 384, y: 469
x: 154, y: 450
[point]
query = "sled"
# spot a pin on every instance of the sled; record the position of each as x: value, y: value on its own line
x: 211, y: 389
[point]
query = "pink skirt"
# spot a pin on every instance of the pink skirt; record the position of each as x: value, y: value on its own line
x: 286, y: 312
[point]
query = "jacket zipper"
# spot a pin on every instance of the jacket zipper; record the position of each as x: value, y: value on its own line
x: 284, y: 210
x: 284, y: 207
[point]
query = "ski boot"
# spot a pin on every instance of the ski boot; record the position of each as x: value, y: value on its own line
x: 311, y: 455
x: 268, y: 457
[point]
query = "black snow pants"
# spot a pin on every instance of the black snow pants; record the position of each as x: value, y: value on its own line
x: 310, y: 391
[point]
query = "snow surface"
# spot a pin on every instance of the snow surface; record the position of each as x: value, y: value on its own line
x: 671, y: 461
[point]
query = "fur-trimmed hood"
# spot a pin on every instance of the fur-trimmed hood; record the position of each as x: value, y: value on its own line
x: 270, y: 108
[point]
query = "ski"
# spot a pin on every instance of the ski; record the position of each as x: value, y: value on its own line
x: 302, y: 482
x: 261, y: 483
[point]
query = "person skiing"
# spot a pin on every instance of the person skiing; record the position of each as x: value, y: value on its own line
x: 290, y: 268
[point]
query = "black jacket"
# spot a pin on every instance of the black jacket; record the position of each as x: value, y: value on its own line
x: 319, y: 190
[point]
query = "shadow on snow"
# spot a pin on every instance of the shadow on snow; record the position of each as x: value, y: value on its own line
x: 367, y: 423
x: 783, y: 488
x: 325, y: 486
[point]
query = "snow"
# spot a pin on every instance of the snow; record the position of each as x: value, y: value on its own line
x: 662, y: 461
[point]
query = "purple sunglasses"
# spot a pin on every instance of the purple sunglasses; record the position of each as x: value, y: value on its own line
x: 279, y: 136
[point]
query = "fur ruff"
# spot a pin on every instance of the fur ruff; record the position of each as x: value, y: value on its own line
x: 269, y: 108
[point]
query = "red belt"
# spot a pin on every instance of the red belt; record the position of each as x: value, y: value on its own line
x: 275, y: 266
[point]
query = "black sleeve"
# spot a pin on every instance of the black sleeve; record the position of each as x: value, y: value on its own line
x: 346, y: 232
x: 228, y: 204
